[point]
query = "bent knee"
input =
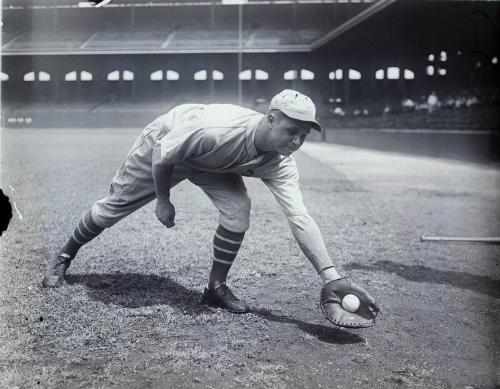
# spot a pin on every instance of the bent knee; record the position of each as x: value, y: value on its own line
x: 237, y: 219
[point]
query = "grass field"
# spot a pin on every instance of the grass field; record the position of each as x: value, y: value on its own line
x: 129, y: 315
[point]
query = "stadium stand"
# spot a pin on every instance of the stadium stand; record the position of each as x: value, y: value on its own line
x: 58, y: 38
x: 199, y: 39
x: 169, y: 28
x: 478, y: 118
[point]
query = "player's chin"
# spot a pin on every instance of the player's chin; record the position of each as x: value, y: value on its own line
x: 286, y: 151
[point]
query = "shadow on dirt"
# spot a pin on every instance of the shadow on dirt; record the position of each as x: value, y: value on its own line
x: 418, y: 273
x: 135, y: 290
x: 322, y: 333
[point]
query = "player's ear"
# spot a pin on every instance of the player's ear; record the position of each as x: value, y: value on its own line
x: 271, y: 119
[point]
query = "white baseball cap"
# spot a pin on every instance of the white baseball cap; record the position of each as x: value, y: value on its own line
x: 296, y: 106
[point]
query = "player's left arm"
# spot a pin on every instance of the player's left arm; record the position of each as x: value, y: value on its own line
x: 285, y: 188
x: 304, y: 229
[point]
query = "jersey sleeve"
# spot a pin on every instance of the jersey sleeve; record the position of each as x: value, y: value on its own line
x: 176, y: 146
x: 285, y: 187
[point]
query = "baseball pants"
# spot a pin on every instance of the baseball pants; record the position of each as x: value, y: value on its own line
x: 133, y: 187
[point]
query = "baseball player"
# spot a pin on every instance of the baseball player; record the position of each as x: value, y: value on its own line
x: 213, y: 146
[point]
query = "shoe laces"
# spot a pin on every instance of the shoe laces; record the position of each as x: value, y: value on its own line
x: 225, y: 290
x: 62, y: 263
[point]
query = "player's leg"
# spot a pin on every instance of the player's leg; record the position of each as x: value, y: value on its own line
x: 229, y: 195
x: 131, y: 188
x: 103, y: 214
x: 226, y: 245
x: 121, y: 201
x: 127, y: 194
x: 85, y: 231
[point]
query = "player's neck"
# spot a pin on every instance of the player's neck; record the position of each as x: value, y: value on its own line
x: 262, y: 136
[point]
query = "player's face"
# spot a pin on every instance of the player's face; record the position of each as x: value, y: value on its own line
x: 288, y: 134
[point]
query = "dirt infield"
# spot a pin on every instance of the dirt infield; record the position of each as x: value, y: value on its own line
x: 129, y: 315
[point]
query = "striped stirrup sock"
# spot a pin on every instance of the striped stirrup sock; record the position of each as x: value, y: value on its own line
x: 85, y: 231
x: 226, y: 246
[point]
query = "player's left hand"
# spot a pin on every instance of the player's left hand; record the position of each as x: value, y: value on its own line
x: 331, y: 304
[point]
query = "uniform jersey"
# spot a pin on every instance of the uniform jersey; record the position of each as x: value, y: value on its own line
x: 220, y: 138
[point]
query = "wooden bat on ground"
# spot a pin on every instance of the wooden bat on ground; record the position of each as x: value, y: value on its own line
x: 491, y: 240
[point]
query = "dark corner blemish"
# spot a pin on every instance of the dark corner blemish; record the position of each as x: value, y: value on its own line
x: 5, y: 212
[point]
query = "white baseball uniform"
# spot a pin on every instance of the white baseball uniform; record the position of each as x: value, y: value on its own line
x: 212, y: 146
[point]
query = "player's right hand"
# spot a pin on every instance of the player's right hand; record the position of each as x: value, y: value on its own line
x: 165, y: 212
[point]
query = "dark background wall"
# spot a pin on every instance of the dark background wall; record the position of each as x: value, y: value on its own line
x: 402, y: 35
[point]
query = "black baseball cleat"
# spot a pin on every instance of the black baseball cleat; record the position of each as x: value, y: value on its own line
x: 55, y: 272
x: 222, y: 297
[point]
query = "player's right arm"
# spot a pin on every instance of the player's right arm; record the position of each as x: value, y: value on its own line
x: 162, y: 177
x: 175, y: 147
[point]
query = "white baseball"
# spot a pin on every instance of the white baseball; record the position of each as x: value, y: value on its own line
x: 351, y: 302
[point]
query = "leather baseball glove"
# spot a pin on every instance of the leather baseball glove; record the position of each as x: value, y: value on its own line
x: 331, y: 304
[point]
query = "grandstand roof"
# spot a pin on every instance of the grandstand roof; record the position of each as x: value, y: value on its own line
x: 34, y: 4
x: 127, y: 26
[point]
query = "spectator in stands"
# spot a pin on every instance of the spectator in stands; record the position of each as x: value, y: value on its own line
x: 471, y: 100
x: 449, y: 102
x: 338, y: 111
x: 408, y: 105
x: 460, y: 102
x: 432, y: 102
x: 422, y: 105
